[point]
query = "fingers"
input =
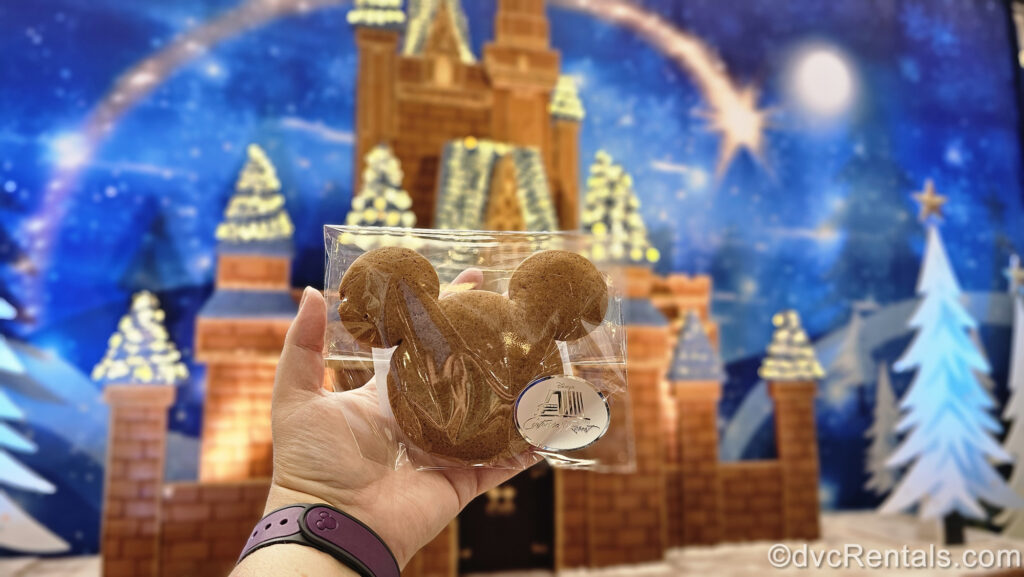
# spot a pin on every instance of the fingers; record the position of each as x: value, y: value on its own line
x: 300, y: 372
x: 471, y: 278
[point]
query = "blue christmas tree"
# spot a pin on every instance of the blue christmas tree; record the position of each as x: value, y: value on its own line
x: 950, y: 444
x: 18, y: 531
x: 695, y: 359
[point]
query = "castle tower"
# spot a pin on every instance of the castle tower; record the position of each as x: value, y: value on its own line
x: 696, y: 380
x: 378, y: 24
x: 679, y: 293
x: 138, y: 373
x: 523, y: 70
x: 566, y: 115
x: 241, y: 329
x: 792, y: 373
x: 612, y: 518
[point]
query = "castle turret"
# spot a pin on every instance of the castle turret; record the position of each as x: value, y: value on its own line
x: 241, y: 329
x: 792, y: 373
x: 523, y: 70
x: 566, y: 115
x: 378, y: 25
x: 695, y: 377
x: 138, y: 375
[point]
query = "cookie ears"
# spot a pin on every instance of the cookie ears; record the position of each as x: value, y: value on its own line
x: 378, y: 279
x: 561, y: 292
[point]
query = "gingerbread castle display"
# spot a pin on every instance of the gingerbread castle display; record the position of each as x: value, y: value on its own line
x: 491, y: 145
x: 421, y: 89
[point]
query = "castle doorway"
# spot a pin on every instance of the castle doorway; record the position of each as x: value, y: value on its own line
x: 511, y: 526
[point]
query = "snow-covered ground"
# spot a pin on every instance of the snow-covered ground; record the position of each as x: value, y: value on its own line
x: 67, y: 567
x: 868, y: 530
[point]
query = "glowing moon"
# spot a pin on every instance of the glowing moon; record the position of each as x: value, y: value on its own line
x: 823, y: 82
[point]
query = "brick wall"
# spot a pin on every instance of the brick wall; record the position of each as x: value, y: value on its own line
x: 236, y: 441
x: 565, y: 176
x: 438, y: 558
x: 626, y: 517
x: 375, y: 93
x: 135, y: 470
x: 699, y: 490
x: 796, y: 439
x: 426, y: 121
x: 219, y: 339
x: 751, y: 503
x: 206, y: 525
x: 253, y: 272
x: 570, y: 519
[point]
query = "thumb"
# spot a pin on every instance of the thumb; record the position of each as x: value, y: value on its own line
x: 300, y: 372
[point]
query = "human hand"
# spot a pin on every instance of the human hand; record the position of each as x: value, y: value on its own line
x: 316, y: 458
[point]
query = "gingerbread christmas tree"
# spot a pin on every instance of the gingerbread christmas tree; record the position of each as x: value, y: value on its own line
x: 141, y: 351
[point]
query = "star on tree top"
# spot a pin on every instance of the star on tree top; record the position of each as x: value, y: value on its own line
x: 930, y: 201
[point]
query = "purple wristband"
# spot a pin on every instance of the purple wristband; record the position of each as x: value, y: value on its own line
x: 325, y: 528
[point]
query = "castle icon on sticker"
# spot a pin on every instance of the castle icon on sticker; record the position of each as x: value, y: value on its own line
x: 561, y: 413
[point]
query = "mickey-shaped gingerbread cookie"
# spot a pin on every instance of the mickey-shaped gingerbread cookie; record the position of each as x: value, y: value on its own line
x: 460, y: 362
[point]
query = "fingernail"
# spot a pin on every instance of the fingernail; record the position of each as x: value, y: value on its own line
x: 305, y: 293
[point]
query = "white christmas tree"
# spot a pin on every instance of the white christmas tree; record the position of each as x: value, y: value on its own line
x: 382, y: 201
x: 950, y: 443
x: 1012, y: 520
x: 851, y: 367
x: 18, y: 531
x: 883, y: 436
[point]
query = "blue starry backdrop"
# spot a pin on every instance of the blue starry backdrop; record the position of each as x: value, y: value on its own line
x: 123, y: 126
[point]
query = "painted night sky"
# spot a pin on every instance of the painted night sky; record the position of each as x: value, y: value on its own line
x: 820, y: 220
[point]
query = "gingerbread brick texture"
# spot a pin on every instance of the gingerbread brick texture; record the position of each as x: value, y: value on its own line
x: 204, y: 524
x: 135, y: 469
x: 240, y: 331
x: 153, y: 529
x: 616, y: 518
x: 419, y: 87
x: 437, y: 558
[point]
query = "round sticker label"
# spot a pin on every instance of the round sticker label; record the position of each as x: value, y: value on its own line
x: 561, y: 413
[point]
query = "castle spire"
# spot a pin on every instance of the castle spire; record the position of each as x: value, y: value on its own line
x: 438, y: 26
x: 695, y: 359
x: 256, y: 219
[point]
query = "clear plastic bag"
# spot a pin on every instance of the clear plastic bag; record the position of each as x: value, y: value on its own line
x: 477, y: 349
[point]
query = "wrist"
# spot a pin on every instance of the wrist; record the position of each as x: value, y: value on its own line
x: 280, y: 497
x: 288, y: 559
x: 285, y: 498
